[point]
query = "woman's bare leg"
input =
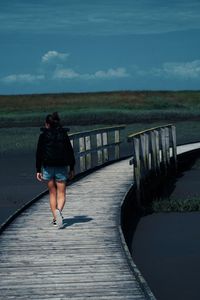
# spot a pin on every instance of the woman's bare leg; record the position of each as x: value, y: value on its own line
x: 61, y: 186
x: 52, y: 196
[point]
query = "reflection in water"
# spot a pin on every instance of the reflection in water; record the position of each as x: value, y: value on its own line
x: 186, y: 182
x: 166, y: 246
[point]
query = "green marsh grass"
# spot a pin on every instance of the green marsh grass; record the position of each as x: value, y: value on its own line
x: 19, y: 114
x: 176, y: 205
x: 105, y: 108
x: 25, y: 138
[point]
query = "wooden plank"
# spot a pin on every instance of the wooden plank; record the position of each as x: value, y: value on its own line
x: 187, y: 148
x: 85, y: 259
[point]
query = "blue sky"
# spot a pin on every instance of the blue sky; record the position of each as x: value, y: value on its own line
x: 86, y: 45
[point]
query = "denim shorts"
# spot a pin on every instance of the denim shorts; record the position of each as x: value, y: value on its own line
x: 56, y: 173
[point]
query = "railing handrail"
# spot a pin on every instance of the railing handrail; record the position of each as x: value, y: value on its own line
x: 152, y: 149
x: 93, y: 147
x: 96, y: 131
x: 133, y: 135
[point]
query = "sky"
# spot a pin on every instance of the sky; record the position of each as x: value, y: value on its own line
x: 55, y: 46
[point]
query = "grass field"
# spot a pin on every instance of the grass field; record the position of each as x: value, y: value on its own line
x: 177, y: 205
x: 100, y: 108
x: 25, y: 138
x: 22, y: 115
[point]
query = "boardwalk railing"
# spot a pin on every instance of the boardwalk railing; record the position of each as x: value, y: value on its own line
x: 96, y: 147
x: 152, y: 149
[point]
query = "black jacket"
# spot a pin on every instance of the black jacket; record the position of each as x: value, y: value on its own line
x: 54, y: 149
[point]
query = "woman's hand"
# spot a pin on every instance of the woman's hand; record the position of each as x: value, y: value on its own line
x: 71, y: 174
x: 39, y: 176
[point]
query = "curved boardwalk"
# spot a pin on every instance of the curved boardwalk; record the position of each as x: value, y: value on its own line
x: 85, y: 259
x: 188, y: 147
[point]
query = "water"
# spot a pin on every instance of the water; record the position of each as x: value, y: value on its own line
x: 18, y: 182
x: 166, y: 246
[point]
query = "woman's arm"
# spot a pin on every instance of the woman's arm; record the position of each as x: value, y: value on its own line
x: 70, y: 153
x: 39, y: 154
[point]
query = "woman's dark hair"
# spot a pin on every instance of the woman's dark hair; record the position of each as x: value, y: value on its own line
x: 53, y: 120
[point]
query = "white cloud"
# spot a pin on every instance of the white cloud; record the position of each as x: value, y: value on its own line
x: 101, y: 74
x: 22, y: 78
x: 54, y: 56
x: 176, y: 70
x: 112, y: 73
x: 65, y: 74
x: 185, y: 70
x: 58, y: 71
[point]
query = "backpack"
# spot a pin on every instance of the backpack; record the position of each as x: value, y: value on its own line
x: 55, y: 147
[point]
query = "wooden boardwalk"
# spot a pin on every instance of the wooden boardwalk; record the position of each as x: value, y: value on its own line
x: 86, y: 259
x: 188, y: 147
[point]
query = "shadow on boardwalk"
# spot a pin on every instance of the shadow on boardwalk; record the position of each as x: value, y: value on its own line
x: 76, y: 219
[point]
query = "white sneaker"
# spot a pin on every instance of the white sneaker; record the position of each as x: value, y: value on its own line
x: 54, y: 223
x: 59, y: 218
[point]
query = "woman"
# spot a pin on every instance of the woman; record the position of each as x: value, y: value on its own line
x: 54, y: 155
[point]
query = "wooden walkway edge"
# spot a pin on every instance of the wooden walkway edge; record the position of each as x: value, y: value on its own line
x: 86, y: 259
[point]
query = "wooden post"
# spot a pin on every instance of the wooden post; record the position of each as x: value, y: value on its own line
x: 174, y: 149
x: 75, y: 144
x: 99, y: 151
x: 157, y: 146
x: 136, y: 155
x: 153, y: 150
x: 117, y: 140
x: 167, y: 145
x: 82, y: 156
x: 163, y: 147
x: 94, y: 156
x: 147, y: 152
x: 88, y: 155
x: 142, y: 155
x: 144, y: 141
x: 105, y: 143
